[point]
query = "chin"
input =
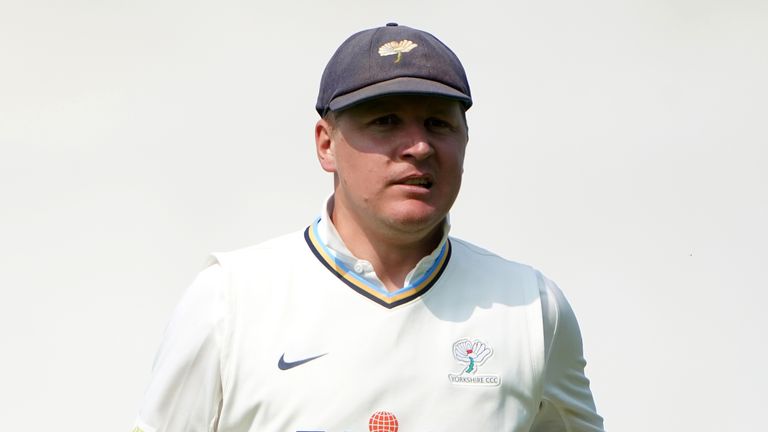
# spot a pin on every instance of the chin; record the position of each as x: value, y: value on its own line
x: 415, y: 218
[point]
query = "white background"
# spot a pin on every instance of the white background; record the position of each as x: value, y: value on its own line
x: 619, y: 146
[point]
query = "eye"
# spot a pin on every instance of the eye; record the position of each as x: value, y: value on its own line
x: 386, y: 120
x: 435, y: 123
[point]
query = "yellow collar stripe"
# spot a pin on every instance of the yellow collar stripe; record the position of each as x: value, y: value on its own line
x: 388, y: 300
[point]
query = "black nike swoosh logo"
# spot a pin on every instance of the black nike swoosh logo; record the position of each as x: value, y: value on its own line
x: 284, y: 365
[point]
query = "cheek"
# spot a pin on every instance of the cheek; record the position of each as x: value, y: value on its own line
x: 454, y: 166
x: 462, y: 150
x: 455, y: 157
x: 357, y: 171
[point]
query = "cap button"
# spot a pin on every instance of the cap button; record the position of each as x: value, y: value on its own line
x: 391, y: 24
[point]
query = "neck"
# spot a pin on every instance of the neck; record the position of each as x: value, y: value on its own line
x: 393, y: 255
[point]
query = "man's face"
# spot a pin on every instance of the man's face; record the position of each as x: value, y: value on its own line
x: 397, y: 161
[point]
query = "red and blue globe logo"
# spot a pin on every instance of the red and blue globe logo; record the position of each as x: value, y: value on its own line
x: 382, y: 421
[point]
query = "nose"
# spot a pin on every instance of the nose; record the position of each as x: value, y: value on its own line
x: 416, y: 143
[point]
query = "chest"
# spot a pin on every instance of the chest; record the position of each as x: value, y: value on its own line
x: 314, y: 356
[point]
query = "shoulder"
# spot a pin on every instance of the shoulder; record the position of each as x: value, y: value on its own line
x: 485, y: 265
x: 469, y: 253
x: 270, y: 250
x: 493, y: 278
x: 254, y: 271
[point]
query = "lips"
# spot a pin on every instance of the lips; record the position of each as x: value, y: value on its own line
x: 424, y: 181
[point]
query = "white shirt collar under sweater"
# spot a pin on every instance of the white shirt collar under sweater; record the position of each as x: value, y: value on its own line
x: 330, y: 238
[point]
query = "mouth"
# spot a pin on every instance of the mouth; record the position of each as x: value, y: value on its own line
x: 420, y: 181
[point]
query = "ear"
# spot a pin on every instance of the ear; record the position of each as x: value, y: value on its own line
x: 324, y: 145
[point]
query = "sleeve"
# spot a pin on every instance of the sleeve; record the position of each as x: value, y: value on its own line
x: 185, y: 391
x: 567, y: 404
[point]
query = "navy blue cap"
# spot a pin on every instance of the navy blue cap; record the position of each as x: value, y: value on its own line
x: 391, y: 60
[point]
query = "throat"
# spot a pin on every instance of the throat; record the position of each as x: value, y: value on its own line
x: 393, y: 263
x: 392, y: 253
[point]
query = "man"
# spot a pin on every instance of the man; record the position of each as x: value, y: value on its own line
x: 373, y: 318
